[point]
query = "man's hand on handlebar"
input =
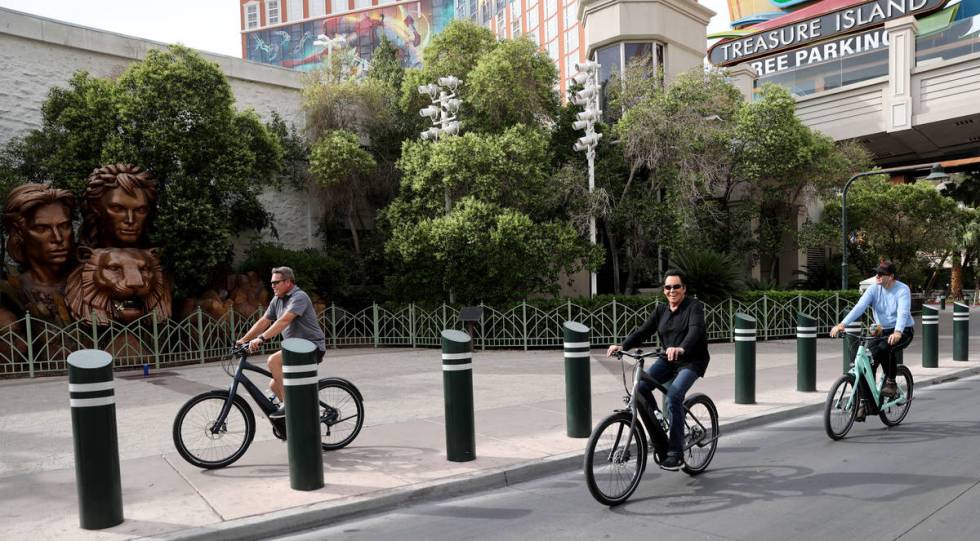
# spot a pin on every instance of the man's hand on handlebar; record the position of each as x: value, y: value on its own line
x: 674, y: 354
x: 836, y: 329
x: 613, y: 350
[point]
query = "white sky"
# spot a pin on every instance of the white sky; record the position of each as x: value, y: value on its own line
x: 211, y: 25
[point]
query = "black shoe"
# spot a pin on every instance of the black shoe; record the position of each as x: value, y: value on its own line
x: 672, y: 462
x: 861, y: 413
x: 889, y: 389
x: 279, y: 413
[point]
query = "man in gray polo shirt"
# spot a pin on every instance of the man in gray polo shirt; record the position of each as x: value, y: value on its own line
x: 291, y: 312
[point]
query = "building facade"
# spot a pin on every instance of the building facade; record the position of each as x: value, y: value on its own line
x: 284, y: 32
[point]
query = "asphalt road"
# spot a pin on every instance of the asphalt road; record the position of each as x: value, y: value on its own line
x: 783, y: 481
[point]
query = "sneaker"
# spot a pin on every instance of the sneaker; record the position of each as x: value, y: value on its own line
x: 673, y: 462
x: 889, y: 389
x: 279, y: 413
x: 861, y: 413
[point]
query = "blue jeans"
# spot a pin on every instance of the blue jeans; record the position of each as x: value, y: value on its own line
x: 684, y: 378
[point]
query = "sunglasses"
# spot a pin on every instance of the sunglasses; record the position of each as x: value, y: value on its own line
x: 274, y: 283
x: 673, y: 287
x: 882, y: 274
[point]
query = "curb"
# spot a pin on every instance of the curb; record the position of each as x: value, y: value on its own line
x: 301, y: 518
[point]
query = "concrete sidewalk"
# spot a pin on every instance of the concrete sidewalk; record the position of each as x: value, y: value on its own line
x: 399, y: 456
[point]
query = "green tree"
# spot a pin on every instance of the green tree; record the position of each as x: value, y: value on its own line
x: 172, y: 113
x: 337, y: 160
x: 899, y: 222
x: 784, y: 163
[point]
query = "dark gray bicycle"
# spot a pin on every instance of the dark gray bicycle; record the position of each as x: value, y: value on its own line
x: 214, y: 429
x: 616, y: 455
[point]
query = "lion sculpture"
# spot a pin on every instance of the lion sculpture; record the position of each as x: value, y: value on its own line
x: 118, y: 284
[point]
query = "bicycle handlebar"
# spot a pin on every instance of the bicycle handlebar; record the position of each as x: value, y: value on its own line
x: 639, y: 354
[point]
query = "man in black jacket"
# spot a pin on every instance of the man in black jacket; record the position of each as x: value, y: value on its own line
x: 680, y: 325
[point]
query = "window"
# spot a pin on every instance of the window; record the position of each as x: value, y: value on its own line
x: 571, y: 18
x: 550, y: 8
x: 551, y: 29
x: 361, y: 4
x: 571, y: 40
x: 553, y: 50
x: 318, y: 8
x: 294, y: 10
x: 252, y: 15
x: 272, y: 12
x: 338, y: 6
x: 532, y: 19
x: 608, y: 58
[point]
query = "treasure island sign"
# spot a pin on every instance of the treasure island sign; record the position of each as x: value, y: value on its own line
x: 760, y: 49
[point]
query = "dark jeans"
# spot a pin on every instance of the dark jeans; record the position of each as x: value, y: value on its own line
x: 684, y: 378
x: 884, y: 354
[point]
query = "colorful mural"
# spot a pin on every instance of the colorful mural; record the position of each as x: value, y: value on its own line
x: 410, y: 26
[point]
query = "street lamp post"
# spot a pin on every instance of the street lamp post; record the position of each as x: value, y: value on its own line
x: 587, y: 75
x: 935, y: 173
x: 443, y: 113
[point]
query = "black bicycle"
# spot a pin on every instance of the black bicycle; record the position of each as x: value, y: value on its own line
x: 214, y: 429
x: 616, y: 455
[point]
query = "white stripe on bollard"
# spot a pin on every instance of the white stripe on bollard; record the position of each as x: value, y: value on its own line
x: 290, y: 382
x: 745, y: 338
x: 574, y: 354
x: 455, y: 356
x: 91, y: 402
x: 806, y: 329
x: 296, y: 368
x: 577, y: 345
x: 455, y: 367
x: 745, y: 331
x: 90, y: 387
x: 806, y: 335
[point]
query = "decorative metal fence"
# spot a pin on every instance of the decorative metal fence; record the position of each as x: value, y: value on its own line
x: 31, y: 347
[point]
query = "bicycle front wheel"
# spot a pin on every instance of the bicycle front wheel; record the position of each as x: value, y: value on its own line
x: 341, y: 413
x: 840, y: 410
x: 615, y: 459
x: 196, y: 438
x: 700, y: 433
x: 893, y: 415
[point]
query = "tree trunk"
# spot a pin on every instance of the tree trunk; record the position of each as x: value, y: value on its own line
x: 353, y: 228
x: 956, y: 279
x: 935, y: 274
x: 614, y: 253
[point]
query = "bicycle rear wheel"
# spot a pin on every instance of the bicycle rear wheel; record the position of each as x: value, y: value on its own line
x: 840, y: 410
x: 700, y: 433
x: 615, y: 459
x: 893, y: 415
x: 341, y: 413
x: 204, y: 448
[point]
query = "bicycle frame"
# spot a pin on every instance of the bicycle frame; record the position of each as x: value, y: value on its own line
x: 658, y: 434
x: 864, y: 372
x: 253, y: 390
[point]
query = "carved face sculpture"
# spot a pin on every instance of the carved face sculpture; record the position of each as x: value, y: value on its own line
x: 123, y: 216
x: 48, y: 239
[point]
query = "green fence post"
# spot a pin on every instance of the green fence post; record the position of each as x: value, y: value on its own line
x: 578, y: 381
x: 96, y: 443
x: 30, y: 345
x: 156, y: 341
x: 851, y: 333
x: 745, y: 335
x: 411, y: 322
x: 200, y: 333
x: 961, y: 332
x: 615, y: 339
x: 765, y: 316
x: 457, y: 385
x: 930, y: 337
x: 569, y: 318
x: 374, y: 308
x: 524, y: 322
x: 299, y: 379
x: 95, y: 331
x: 333, y: 323
x: 483, y: 336
x: 806, y: 353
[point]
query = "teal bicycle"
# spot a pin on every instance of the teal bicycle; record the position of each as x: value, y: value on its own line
x: 856, y: 394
